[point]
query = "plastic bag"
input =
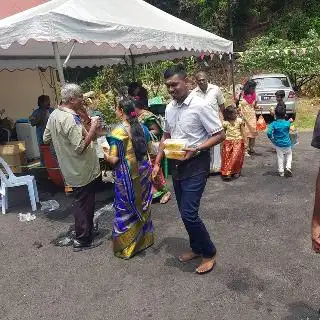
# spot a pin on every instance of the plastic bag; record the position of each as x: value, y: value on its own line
x: 294, y: 138
x: 293, y: 135
x: 154, y: 144
x: 154, y: 148
x: 261, y: 124
x: 26, y: 217
x: 101, y: 146
x: 107, y: 176
x: 50, y: 205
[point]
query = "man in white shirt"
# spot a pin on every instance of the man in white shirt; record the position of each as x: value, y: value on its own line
x: 214, y: 97
x: 191, y: 118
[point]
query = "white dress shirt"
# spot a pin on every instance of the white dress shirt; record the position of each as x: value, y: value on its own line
x: 213, y: 96
x: 192, y: 120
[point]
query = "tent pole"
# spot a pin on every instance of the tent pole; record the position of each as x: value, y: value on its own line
x: 133, y: 66
x: 70, y: 53
x: 232, y: 75
x: 58, y: 62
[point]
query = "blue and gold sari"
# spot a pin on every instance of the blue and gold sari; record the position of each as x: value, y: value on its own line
x: 132, y: 226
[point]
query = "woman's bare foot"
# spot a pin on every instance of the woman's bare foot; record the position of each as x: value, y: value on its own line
x: 166, y: 197
x: 188, y: 256
x: 206, y: 266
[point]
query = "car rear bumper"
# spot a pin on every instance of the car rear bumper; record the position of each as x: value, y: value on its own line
x: 265, y: 107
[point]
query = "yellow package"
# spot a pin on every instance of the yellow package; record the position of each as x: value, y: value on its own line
x: 175, y: 155
x: 175, y: 144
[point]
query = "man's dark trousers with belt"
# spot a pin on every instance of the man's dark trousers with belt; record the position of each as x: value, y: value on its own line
x: 189, y: 181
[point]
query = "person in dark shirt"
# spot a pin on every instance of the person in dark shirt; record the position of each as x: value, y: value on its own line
x: 40, y: 116
x: 39, y: 119
x: 280, y: 95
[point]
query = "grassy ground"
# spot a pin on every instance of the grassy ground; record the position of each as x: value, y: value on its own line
x: 307, y: 111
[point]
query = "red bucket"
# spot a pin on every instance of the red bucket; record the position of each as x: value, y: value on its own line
x: 52, y: 166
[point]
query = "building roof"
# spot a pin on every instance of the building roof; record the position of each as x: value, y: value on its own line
x: 10, y: 7
x: 100, y: 32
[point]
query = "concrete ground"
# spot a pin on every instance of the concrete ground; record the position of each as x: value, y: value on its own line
x: 261, y: 227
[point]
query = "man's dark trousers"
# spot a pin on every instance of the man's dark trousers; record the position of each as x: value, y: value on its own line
x: 83, y: 211
x: 188, y: 193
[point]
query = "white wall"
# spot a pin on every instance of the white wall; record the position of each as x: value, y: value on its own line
x: 19, y: 91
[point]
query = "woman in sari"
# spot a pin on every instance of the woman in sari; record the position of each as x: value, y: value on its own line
x: 160, y: 189
x: 248, y: 106
x: 132, y: 226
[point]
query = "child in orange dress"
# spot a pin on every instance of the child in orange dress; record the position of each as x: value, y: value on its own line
x: 234, y: 146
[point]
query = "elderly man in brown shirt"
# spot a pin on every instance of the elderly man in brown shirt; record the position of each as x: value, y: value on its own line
x: 77, y: 159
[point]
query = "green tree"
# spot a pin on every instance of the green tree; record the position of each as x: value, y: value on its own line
x: 300, y: 61
x: 288, y: 19
x: 111, y: 82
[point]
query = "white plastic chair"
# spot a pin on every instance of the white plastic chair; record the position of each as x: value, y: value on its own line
x: 9, y: 180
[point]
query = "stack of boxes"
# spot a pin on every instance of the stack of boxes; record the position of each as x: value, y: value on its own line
x: 14, y: 153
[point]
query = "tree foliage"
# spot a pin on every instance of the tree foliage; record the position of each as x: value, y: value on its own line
x: 300, y: 61
x: 210, y: 15
x: 288, y: 19
x: 110, y: 83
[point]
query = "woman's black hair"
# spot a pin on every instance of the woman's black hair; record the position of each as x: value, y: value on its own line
x: 138, y: 139
x: 228, y: 112
x: 132, y: 87
x: 250, y: 84
x: 177, y: 69
x: 281, y: 111
x: 140, y: 103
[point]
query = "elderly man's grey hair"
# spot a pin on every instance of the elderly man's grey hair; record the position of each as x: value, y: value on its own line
x: 70, y: 91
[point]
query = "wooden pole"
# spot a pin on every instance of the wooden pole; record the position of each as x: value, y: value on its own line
x: 232, y: 75
x: 133, y: 66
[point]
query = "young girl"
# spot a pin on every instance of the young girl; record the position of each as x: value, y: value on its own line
x: 234, y: 146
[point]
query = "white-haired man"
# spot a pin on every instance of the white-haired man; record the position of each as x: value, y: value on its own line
x: 77, y: 159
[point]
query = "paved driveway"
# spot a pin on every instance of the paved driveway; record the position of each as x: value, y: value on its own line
x: 260, y: 224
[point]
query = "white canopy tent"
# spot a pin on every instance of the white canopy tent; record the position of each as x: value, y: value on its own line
x: 99, y: 32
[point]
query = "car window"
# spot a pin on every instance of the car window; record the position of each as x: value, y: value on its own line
x: 278, y: 83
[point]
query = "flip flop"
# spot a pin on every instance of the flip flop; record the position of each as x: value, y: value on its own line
x: 202, y: 273
x: 207, y: 271
x: 184, y: 261
x: 166, y: 198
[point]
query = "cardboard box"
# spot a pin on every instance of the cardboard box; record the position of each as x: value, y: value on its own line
x: 14, y: 153
x: 20, y: 144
